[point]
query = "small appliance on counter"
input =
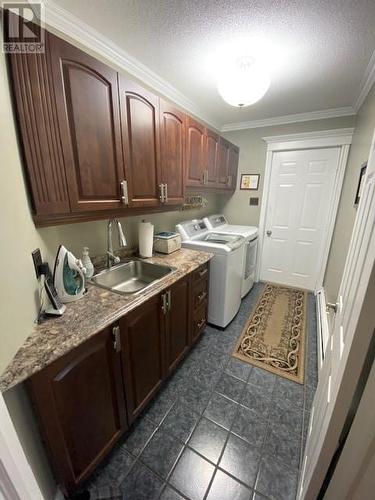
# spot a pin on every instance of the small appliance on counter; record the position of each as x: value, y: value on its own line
x: 145, y: 239
x: 68, y: 276
x: 167, y: 242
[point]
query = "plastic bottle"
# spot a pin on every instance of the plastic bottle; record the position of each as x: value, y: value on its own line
x: 87, y: 264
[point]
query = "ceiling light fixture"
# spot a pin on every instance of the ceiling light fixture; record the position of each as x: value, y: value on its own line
x: 244, y: 82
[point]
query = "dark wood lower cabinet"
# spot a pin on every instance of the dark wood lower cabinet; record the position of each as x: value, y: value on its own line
x: 86, y: 399
x: 80, y: 403
x: 143, y: 346
x: 177, y: 323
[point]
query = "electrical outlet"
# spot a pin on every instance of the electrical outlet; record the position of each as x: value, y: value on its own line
x: 37, y: 259
x: 254, y: 201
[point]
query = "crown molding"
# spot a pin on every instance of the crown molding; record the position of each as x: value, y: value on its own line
x: 281, y: 120
x: 76, y: 29
x: 368, y: 81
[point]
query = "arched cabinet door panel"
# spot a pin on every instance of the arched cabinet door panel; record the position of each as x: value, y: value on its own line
x: 211, y: 158
x: 87, y: 102
x: 195, y: 140
x: 172, y: 149
x: 140, y: 132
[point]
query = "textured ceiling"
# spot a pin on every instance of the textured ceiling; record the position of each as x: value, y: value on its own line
x: 317, y: 51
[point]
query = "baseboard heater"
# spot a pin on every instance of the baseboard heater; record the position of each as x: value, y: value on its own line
x: 322, y: 324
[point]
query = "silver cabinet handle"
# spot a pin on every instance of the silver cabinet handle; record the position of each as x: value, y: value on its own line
x: 161, y: 191
x: 124, y: 191
x: 116, y: 338
x: 229, y: 180
x: 269, y: 232
x: 169, y: 300
x: 165, y: 193
x: 164, y: 303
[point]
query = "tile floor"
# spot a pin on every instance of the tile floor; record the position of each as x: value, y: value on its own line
x: 220, y: 429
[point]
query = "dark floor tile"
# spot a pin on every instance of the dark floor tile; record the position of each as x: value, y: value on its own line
x: 250, y: 426
x: 284, y: 412
x: 139, y: 435
x: 241, y: 460
x: 192, y: 475
x: 195, y: 396
x: 238, y: 368
x: 283, y: 445
x: 113, y: 471
x: 230, y: 387
x: 276, y: 481
x: 226, y: 488
x: 208, y: 439
x: 255, y: 399
x: 263, y: 379
x: 105, y: 493
x: 141, y: 484
x: 180, y: 421
x: 161, y: 453
x: 170, y: 494
x: 161, y: 405
x: 207, y: 375
x: 288, y: 390
x: 221, y: 410
x: 309, y: 396
x: 258, y: 496
x: 306, y: 421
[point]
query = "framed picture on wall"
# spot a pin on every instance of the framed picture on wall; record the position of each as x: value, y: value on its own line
x: 250, y: 182
x: 360, y: 183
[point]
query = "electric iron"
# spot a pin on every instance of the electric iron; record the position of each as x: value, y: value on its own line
x: 68, y: 276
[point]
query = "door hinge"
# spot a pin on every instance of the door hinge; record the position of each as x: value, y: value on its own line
x: 116, y: 338
x: 124, y: 191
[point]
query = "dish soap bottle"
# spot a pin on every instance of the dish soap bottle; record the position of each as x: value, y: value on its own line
x: 87, y: 264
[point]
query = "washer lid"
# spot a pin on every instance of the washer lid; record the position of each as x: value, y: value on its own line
x: 229, y: 240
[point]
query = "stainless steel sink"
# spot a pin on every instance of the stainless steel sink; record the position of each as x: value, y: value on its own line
x: 131, y: 277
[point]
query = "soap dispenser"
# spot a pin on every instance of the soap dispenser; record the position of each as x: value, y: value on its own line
x: 87, y: 264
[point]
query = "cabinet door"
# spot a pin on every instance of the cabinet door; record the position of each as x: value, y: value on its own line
x: 172, y: 145
x: 195, y: 140
x: 177, y: 325
x: 143, y: 348
x: 233, y: 166
x: 40, y: 138
x: 223, y: 163
x: 211, y: 158
x: 88, y: 111
x: 80, y: 403
x: 140, y: 132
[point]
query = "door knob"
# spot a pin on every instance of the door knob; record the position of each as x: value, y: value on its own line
x: 269, y: 232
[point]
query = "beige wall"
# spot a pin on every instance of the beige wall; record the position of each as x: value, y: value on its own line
x: 359, y: 151
x: 18, y: 295
x: 253, y: 159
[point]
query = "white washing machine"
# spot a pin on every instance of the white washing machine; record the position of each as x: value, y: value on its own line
x: 225, y: 268
x: 250, y: 233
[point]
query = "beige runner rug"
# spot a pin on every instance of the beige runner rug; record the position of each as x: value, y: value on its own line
x: 274, y: 335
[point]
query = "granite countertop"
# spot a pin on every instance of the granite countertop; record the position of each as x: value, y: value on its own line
x: 87, y: 316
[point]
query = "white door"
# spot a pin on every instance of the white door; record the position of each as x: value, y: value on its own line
x: 299, y: 201
x: 347, y: 345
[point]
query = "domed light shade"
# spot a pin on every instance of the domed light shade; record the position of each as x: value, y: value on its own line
x: 244, y: 82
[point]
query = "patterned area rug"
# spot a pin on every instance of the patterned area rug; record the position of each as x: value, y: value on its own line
x: 274, y: 335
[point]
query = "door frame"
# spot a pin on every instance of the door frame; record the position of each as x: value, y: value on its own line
x: 334, y: 138
x: 17, y: 480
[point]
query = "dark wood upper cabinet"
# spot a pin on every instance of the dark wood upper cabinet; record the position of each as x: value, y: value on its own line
x: 227, y: 165
x: 143, y: 347
x: 177, y: 323
x: 140, y: 132
x: 33, y: 92
x: 211, y: 158
x: 195, y: 142
x: 234, y: 153
x: 80, y: 403
x: 172, y: 148
x: 87, y: 106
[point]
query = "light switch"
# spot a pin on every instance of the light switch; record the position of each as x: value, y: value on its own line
x: 254, y: 201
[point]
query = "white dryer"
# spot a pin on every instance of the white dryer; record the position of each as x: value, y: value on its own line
x: 225, y: 268
x: 250, y: 233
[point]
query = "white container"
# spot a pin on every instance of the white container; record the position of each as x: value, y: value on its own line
x: 167, y: 242
x: 145, y: 238
x: 86, y: 262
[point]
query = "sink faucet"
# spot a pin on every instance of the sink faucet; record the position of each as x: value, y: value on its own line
x: 111, y: 258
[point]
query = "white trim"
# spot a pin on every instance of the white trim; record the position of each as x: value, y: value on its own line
x: 70, y: 25
x: 14, y: 460
x: 327, y: 138
x: 368, y: 81
x: 282, y: 120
